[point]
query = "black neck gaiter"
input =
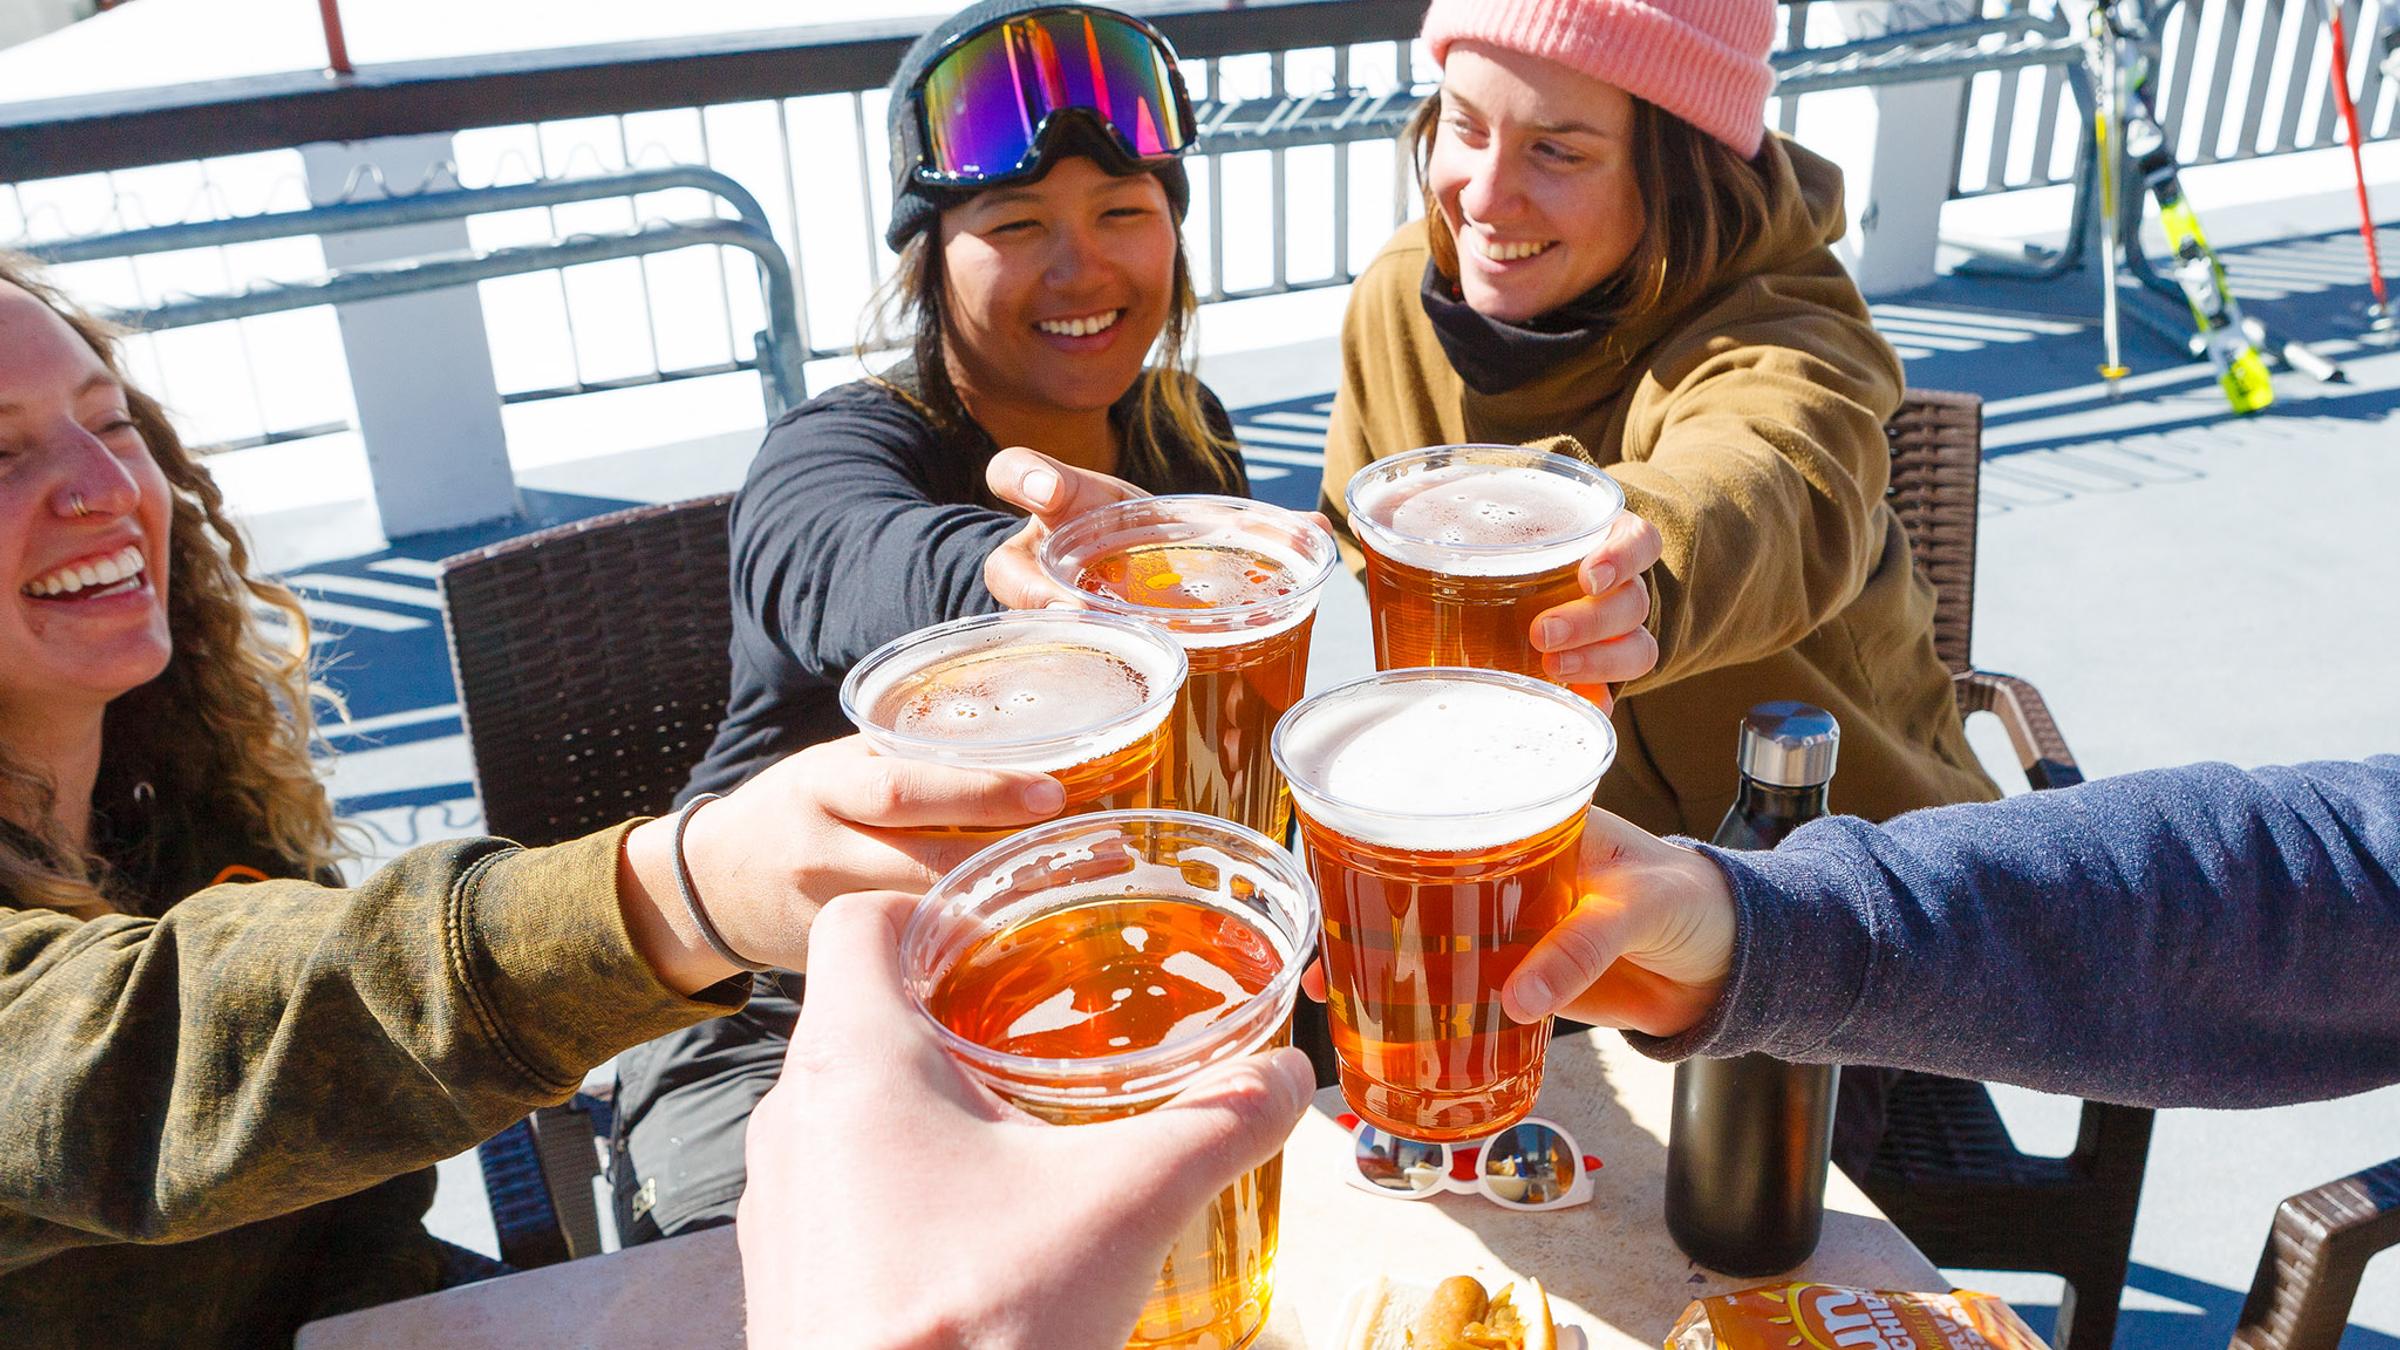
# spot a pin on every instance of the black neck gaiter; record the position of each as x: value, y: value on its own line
x: 1494, y: 356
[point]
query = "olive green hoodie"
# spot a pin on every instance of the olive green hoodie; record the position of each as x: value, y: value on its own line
x: 1749, y: 431
x: 212, y: 1122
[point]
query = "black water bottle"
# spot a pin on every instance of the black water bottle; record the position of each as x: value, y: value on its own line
x: 1748, y: 1141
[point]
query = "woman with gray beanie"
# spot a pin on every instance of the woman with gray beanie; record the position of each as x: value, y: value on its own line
x: 1038, y: 194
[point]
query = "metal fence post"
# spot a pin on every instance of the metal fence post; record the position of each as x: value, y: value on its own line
x: 1908, y: 179
x: 420, y: 365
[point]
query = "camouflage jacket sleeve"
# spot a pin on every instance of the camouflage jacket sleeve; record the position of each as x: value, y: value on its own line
x: 266, y: 1046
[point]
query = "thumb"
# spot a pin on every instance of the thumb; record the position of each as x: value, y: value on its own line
x: 1231, y: 1119
x: 1053, y: 492
x: 1569, y: 958
x: 857, y: 990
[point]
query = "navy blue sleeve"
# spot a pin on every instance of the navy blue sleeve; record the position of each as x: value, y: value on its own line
x: 841, y: 541
x: 2189, y: 937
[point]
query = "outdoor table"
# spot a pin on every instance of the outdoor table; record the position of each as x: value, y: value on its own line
x: 1610, y: 1267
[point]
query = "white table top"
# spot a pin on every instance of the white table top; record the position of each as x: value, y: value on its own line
x: 1610, y: 1267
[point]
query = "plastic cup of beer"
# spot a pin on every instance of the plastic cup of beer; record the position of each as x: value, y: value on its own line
x: 1082, y: 697
x: 1235, y: 582
x: 1467, y: 544
x: 1441, y: 811
x: 1090, y: 968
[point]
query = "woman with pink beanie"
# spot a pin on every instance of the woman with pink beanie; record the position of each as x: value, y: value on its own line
x: 1618, y: 262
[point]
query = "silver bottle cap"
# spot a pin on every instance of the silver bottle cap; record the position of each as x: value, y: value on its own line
x: 1787, y: 744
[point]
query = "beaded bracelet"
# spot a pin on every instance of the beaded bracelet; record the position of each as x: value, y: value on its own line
x: 691, y: 896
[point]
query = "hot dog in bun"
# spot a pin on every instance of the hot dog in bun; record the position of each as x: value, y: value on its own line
x: 1456, y: 1314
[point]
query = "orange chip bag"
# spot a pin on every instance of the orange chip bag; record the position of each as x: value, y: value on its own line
x: 1834, y: 1317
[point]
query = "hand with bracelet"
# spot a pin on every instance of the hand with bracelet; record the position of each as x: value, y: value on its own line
x: 757, y: 865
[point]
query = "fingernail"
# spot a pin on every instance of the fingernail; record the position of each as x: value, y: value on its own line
x: 1567, y: 663
x: 1599, y: 579
x: 1553, y: 634
x: 1045, y: 796
x: 1061, y: 603
x: 1298, y: 1081
x: 1040, y: 486
x: 1531, y: 993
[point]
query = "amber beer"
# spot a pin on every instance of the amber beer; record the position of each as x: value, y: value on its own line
x: 1441, y: 811
x: 1089, y: 968
x: 1466, y: 545
x: 1235, y: 582
x: 1082, y: 697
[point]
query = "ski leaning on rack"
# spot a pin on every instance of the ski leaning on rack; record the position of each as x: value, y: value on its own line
x: 2222, y: 336
x: 2223, y: 333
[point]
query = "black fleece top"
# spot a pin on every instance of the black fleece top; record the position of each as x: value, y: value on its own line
x: 861, y: 521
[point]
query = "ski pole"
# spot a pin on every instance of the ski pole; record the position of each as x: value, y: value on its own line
x: 2108, y: 145
x: 2379, y: 317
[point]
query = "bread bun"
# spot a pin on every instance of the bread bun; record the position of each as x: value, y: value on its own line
x: 1456, y: 1314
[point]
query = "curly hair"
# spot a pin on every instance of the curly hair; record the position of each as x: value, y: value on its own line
x: 225, y: 732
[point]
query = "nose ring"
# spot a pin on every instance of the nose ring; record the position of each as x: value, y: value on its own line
x: 75, y: 503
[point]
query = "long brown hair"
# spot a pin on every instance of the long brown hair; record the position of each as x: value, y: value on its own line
x: 224, y: 733
x: 1170, y: 418
x: 1702, y: 204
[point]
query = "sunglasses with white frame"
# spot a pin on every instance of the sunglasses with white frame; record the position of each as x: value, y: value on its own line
x: 1534, y: 1164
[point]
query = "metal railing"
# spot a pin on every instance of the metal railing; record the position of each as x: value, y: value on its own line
x: 2236, y: 80
x: 1298, y: 183
x: 1274, y: 111
x: 779, y: 347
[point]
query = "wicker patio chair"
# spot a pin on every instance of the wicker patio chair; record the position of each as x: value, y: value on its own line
x: 1947, y: 1171
x: 592, y: 664
x: 2320, y: 1244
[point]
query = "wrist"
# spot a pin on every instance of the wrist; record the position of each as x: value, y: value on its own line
x: 655, y: 916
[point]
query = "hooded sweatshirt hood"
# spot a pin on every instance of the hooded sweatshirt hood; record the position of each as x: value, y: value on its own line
x: 1586, y: 338
x: 1748, y: 428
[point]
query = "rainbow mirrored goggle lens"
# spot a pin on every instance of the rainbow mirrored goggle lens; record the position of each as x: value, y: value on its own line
x: 986, y: 100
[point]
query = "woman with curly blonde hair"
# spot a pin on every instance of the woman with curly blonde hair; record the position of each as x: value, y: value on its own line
x: 222, y: 1080
x: 221, y: 732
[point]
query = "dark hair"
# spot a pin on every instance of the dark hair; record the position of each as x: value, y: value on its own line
x: 1170, y: 417
x: 1702, y: 204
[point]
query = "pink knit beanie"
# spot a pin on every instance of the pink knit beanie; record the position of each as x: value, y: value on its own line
x: 1703, y: 60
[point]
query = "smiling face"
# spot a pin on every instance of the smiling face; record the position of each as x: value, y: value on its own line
x: 1532, y: 167
x: 87, y: 620
x: 1057, y: 288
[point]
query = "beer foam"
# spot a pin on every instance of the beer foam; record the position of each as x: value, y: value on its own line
x: 1244, y: 572
x: 1483, y: 519
x: 1187, y: 576
x: 1273, y: 565
x: 1441, y: 765
x: 1048, y: 691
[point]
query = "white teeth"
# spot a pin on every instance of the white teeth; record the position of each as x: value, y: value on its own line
x: 1499, y: 252
x: 119, y: 566
x: 1083, y: 327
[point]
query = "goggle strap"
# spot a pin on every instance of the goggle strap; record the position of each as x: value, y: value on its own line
x: 1145, y: 142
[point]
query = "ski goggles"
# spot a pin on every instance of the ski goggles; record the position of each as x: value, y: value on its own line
x: 1532, y: 1165
x: 985, y: 100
